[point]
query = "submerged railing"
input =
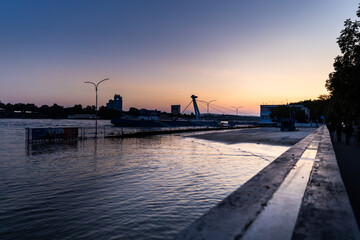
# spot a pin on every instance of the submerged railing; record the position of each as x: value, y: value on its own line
x: 50, y: 134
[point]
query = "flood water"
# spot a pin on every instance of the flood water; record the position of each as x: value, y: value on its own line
x: 139, y: 188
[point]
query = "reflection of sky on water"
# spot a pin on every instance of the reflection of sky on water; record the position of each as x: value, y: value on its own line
x: 122, y: 188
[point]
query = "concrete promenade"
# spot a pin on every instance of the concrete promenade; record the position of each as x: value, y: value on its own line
x: 265, y: 135
x: 300, y: 195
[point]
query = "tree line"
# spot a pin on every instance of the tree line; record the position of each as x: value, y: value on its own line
x: 319, y: 109
x: 54, y: 111
x: 343, y: 83
x: 30, y: 110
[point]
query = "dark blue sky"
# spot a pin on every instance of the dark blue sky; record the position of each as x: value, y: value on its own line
x: 158, y: 53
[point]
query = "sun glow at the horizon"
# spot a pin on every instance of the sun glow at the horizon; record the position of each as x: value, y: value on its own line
x: 157, y: 55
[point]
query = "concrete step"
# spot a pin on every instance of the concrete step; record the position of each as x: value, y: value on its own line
x: 300, y: 195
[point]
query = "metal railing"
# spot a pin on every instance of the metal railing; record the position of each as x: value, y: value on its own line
x: 107, y: 131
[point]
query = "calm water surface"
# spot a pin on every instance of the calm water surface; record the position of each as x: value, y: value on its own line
x: 141, y: 188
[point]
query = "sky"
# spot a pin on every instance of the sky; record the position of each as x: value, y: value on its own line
x: 160, y: 52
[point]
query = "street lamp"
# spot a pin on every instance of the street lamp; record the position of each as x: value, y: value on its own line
x: 207, y: 104
x: 96, y: 88
x: 237, y: 108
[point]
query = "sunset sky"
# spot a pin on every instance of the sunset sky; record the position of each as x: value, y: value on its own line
x: 160, y: 52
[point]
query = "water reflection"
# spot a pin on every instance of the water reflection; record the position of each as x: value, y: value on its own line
x: 95, y: 147
x: 36, y: 148
x: 145, y: 188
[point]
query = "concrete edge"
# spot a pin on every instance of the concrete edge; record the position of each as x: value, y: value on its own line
x: 325, y: 212
x: 231, y: 217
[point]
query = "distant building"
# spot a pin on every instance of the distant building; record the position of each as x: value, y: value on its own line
x: 175, y: 109
x: 115, y: 104
x: 265, y: 111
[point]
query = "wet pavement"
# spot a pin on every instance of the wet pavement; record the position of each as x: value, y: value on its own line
x: 265, y: 135
x: 278, y: 218
x: 324, y: 212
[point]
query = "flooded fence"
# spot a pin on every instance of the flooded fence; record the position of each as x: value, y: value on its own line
x: 118, y: 132
x: 51, y: 134
x: 73, y: 133
x: 48, y: 134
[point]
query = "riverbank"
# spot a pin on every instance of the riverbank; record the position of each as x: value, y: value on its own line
x: 264, y: 135
x: 144, y: 132
x: 300, y: 195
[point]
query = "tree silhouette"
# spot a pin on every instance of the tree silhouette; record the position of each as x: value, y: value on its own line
x: 284, y: 111
x: 344, y: 83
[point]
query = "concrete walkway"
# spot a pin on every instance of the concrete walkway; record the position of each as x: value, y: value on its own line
x: 324, y: 212
x: 265, y: 135
x: 348, y: 158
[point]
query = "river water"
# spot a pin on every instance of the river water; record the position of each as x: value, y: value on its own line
x: 139, y: 188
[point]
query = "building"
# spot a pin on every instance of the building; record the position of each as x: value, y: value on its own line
x: 265, y: 111
x: 175, y: 109
x: 115, y: 104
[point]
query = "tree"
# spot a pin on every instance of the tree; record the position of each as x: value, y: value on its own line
x: 284, y: 111
x: 318, y: 108
x: 344, y: 82
x: 89, y: 109
x: 105, y: 113
x: 134, y: 111
x: 56, y: 111
x: 76, y: 109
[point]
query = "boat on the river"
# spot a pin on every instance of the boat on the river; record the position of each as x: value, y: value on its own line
x: 164, y: 123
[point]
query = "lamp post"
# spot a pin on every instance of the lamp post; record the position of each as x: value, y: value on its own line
x: 237, y: 108
x: 207, y: 104
x: 96, y: 88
